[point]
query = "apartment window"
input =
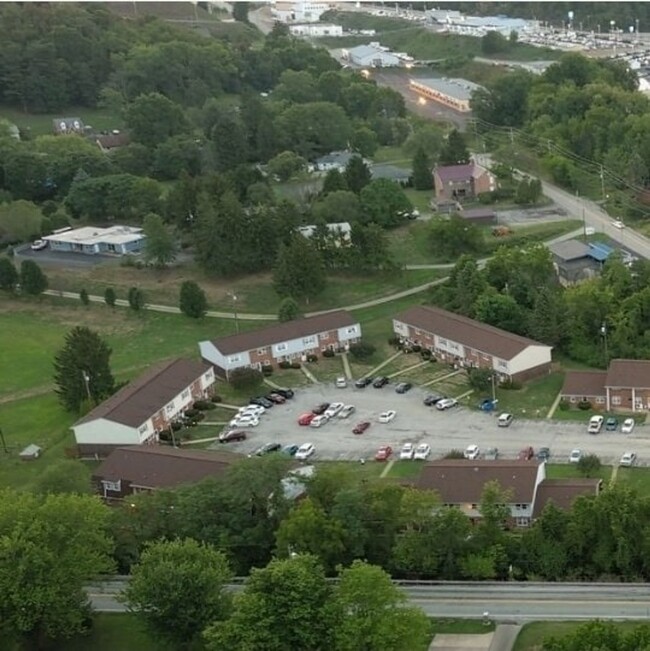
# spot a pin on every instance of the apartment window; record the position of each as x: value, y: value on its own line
x: 309, y: 341
x: 281, y: 347
x: 186, y: 394
x: 616, y: 400
x: 143, y: 429
x: 324, y: 335
x: 442, y: 342
x: 267, y: 362
x: 454, y: 346
x: 352, y: 330
x: 234, y: 359
x: 417, y: 332
x: 170, y: 408
x: 600, y: 400
x: 573, y: 399
x: 114, y: 486
x: 474, y: 507
x: 503, y: 364
x: 261, y: 351
x: 522, y: 522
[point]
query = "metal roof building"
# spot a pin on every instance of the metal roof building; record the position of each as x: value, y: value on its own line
x: 454, y: 93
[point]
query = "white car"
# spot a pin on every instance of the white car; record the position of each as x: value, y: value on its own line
x: 575, y: 456
x: 446, y: 403
x: 341, y: 382
x: 595, y: 424
x: 628, y: 459
x: 39, y: 245
x: 334, y: 409
x: 305, y: 451
x: 472, y: 452
x: 407, y: 451
x: 387, y: 416
x: 319, y: 421
x: 245, y: 420
x: 628, y: 426
x: 617, y: 223
x: 422, y: 452
x: 348, y: 410
x: 252, y: 410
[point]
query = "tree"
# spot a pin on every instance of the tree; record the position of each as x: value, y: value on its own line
x: 337, y: 206
x: 370, y: 612
x: 364, y: 141
x: 110, y: 297
x: 369, y: 249
x: 299, y: 271
x: 193, y: 301
x: 296, y: 87
x: 198, y: 573
x: 289, y: 310
x: 82, y: 369
x: 20, y: 220
x: 356, y: 174
x: 8, y: 274
x: 453, y: 237
x: 159, y: 245
x: 32, y: 279
x: 245, y: 378
x: 600, y: 635
x: 333, y: 182
x: 589, y: 465
x: 494, y: 43
x: 240, y: 11
x: 422, y: 171
x: 49, y: 548
x: 362, y: 350
x: 152, y: 118
x: 280, y: 598
x: 63, y: 477
x: 501, y: 311
x: 83, y: 297
x: 480, y: 379
x: 135, y: 298
x: 286, y: 164
x: 384, y: 202
x: 454, y: 151
x: 546, y: 321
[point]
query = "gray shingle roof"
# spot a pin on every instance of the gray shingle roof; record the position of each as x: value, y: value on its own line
x: 570, y: 250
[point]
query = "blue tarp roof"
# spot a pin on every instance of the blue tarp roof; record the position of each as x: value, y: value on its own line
x: 599, y: 251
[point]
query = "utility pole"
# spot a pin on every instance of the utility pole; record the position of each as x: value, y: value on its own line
x: 234, y: 301
x: 603, y: 332
x: 602, y: 182
x: 512, y: 136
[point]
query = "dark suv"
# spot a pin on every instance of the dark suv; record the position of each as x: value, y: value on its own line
x: 261, y: 401
x: 432, y: 399
x: 285, y: 393
x: 380, y: 382
x: 232, y: 436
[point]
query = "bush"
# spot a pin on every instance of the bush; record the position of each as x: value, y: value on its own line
x: 362, y: 350
x: 394, y: 340
x: 312, y: 358
x: 486, y: 198
x: 267, y: 370
x: 425, y: 353
x: 584, y: 405
x: 564, y: 405
x: 416, y: 348
x: 480, y: 379
x: 328, y: 353
x: 245, y: 378
x: 295, y: 364
x: 454, y: 454
x: 216, y: 398
x: 589, y: 465
x: 203, y: 405
x: 191, y: 413
x: 284, y: 364
x: 176, y: 426
x: 510, y: 385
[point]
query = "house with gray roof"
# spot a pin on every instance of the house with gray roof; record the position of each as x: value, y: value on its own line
x: 575, y: 261
x: 392, y: 173
x: 371, y: 56
x: 147, y: 406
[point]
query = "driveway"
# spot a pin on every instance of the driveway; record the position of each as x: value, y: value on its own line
x: 51, y: 258
x: 530, y: 216
x: 456, y: 642
x: 415, y: 422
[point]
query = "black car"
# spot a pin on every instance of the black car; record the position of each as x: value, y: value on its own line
x: 320, y: 409
x: 363, y: 382
x: 262, y: 401
x: 432, y: 399
x: 380, y: 382
x: 285, y: 393
x: 267, y: 448
x: 403, y: 387
x: 543, y: 454
x: 232, y: 436
x: 290, y: 449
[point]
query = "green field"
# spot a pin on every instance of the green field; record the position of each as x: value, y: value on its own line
x: 533, y: 400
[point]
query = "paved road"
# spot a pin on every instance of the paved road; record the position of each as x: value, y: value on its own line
x: 518, y: 602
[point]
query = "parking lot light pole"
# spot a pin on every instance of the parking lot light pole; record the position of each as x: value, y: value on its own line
x: 234, y: 301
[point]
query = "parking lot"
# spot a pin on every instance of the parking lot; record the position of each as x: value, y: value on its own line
x: 442, y: 430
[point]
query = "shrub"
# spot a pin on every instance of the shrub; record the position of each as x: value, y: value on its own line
x: 267, y: 370
x: 362, y: 350
x: 394, y: 340
x: 176, y: 426
x: 191, y: 413
x: 203, y: 405
x: 295, y: 364
x: 284, y: 364
x: 312, y: 358
x: 564, y: 405
x: 425, y: 353
x: 589, y: 465
x: 328, y: 353
x: 486, y: 198
x: 216, y: 398
x: 584, y: 405
x: 454, y: 454
x: 510, y: 385
x: 416, y: 348
x: 245, y: 378
x: 480, y: 379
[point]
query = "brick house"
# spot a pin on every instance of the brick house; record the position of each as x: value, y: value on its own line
x: 138, y: 412
x: 458, y: 340
x: 145, y: 468
x: 625, y: 386
x: 289, y: 341
x: 460, y: 182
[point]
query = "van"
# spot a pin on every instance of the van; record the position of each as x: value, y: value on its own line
x: 595, y: 424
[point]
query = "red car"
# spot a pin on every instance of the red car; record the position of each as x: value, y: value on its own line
x: 384, y: 452
x: 306, y: 419
x: 361, y: 428
x: 526, y: 454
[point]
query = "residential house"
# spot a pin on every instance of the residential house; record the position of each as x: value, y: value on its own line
x: 392, y: 173
x: 335, y: 160
x: 147, y: 406
x: 289, y: 341
x: 108, y: 142
x: 464, y: 342
x: 575, y: 261
x: 625, y: 386
x: 144, y: 468
x: 563, y: 492
x: 461, y: 182
x: 66, y: 126
x: 340, y: 232
x: 91, y: 240
x: 371, y: 56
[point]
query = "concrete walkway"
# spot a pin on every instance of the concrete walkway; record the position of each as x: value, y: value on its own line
x: 272, y: 384
x: 409, y: 368
x: 387, y: 468
x: 556, y: 402
x: 384, y: 363
x: 441, y: 379
x: 308, y: 374
x: 504, y: 637
x: 346, y: 366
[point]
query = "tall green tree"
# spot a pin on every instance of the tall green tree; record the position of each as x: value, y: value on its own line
x: 299, y: 270
x: 82, y: 369
x: 179, y: 588
x: 32, y: 279
x: 333, y: 182
x: 501, y: 311
x: 454, y: 151
x: 289, y: 310
x: 193, y: 301
x: 422, y: 170
x: 110, y: 297
x: 152, y: 118
x: 8, y: 274
x: 135, y: 297
x: 159, y: 245
x: 384, y: 202
x: 240, y: 11
x: 356, y: 174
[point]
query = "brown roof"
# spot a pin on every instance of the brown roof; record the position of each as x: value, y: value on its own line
x: 152, y: 466
x: 460, y: 481
x: 563, y: 492
x: 584, y: 383
x: 280, y: 332
x: 112, y: 140
x: 142, y: 398
x: 455, y: 173
x: 629, y: 373
x: 477, y: 335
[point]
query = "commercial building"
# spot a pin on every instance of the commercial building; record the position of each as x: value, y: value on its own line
x: 452, y: 93
x: 117, y: 240
x: 371, y: 56
x: 299, y: 12
x: 316, y: 30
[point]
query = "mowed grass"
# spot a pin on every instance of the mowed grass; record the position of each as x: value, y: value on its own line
x: 533, y: 400
x: 570, y: 471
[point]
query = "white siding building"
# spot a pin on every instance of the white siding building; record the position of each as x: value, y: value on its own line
x: 370, y: 56
x: 316, y: 30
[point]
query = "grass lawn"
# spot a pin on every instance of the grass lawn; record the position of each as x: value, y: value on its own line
x: 421, y: 199
x: 584, y: 416
x: 327, y: 369
x: 533, y: 400
x: 405, y: 469
x: 461, y: 626
x: 636, y: 478
x: 569, y: 471
x: 390, y: 155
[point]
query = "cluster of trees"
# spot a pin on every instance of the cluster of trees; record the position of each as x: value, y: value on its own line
x: 29, y: 280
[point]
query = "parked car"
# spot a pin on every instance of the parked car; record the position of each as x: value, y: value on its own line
x: 245, y: 420
x: 575, y: 456
x: 611, y: 424
x: 305, y: 451
x: 422, y: 452
x: 595, y: 424
x: 432, y: 398
x: 334, y: 409
x: 319, y: 421
x: 361, y: 427
x: 363, y: 382
x: 341, y: 382
x: 526, y: 454
x: 276, y: 398
x: 232, y: 436
x: 472, y: 452
x: 403, y: 387
x: 285, y: 393
x: 39, y: 245
x: 407, y: 451
x: 305, y: 419
x: 261, y: 400
x: 505, y: 420
x: 347, y: 411
x: 251, y: 410
x: 320, y: 409
x: 628, y: 459
x: 628, y: 426
x: 492, y: 454
x: 617, y: 223
x: 290, y: 450
x: 387, y: 416
x: 446, y: 403
x: 380, y: 382
x: 543, y: 454
x: 267, y: 448
x: 384, y: 453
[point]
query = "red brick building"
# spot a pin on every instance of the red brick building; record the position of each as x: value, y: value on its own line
x: 462, y: 182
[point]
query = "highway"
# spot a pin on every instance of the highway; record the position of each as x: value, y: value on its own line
x: 505, y: 602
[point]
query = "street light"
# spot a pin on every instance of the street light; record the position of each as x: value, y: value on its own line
x: 86, y: 378
x: 233, y: 296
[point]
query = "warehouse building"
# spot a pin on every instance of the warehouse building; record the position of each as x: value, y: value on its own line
x: 453, y: 93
